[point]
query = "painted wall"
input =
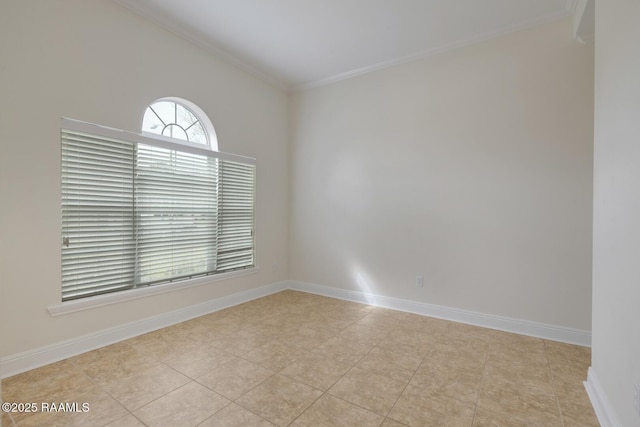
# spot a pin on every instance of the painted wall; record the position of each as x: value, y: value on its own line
x: 97, y: 62
x: 616, y: 235
x: 472, y: 168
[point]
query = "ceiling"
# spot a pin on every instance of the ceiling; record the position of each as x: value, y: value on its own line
x: 304, y: 43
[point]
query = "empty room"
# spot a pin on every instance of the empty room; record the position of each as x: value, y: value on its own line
x: 320, y: 212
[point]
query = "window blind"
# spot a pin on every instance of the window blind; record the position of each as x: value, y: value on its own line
x: 137, y: 211
x: 97, y: 214
x: 235, y: 232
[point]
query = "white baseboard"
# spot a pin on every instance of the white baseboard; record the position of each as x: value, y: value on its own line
x: 22, y: 362
x: 599, y: 401
x: 523, y: 327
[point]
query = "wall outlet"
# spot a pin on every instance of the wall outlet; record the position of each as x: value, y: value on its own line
x: 636, y: 400
x: 419, y: 281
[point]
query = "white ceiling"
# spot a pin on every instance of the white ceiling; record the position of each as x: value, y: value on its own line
x: 303, y: 43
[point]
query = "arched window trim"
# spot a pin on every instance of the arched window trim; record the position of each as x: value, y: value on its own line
x: 210, y: 133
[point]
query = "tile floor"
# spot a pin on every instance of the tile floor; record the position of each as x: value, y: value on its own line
x: 305, y: 360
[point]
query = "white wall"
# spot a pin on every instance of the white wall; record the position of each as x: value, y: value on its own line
x: 472, y: 168
x: 96, y: 61
x: 616, y: 266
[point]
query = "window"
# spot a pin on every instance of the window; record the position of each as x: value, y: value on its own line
x: 175, y: 119
x: 139, y: 211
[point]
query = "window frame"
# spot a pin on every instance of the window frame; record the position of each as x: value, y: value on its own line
x: 166, y: 143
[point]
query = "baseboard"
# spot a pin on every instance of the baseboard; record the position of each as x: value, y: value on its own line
x: 599, y: 401
x: 523, y: 327
x: 22, y: 362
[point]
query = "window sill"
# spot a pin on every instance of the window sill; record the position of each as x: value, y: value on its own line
x: 118, y: 297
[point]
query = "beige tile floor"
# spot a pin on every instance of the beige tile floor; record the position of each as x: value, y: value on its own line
x: 305, y: 360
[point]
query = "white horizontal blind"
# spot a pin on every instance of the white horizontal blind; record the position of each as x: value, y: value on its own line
x: 97, y: 215
x: 138, y: 211
x: 235, y: 238
x: 176, y: 214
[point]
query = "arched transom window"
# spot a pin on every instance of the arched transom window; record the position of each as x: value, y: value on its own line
x: 179, y: 119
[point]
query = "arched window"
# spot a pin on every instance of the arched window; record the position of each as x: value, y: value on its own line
x: 178, y: 118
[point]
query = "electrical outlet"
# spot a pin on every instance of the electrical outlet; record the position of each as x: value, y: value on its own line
x: 636, y: 400
x: 419, y: 281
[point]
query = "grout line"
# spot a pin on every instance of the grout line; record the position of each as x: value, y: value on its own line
x: 555, y: 390
x: 484, y: 374
x: 234, y: 401
x: 407, y: 385
x: 102, y: 388
x: 326, y: 392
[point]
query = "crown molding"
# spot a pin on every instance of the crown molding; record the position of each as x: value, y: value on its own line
x: 192, y: 37
x: 584, y: 20
x: 433, y: 52
x: 196, y: 39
